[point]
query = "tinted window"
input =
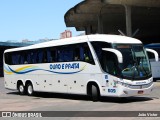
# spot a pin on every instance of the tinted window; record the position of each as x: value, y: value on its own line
x: 98, y: 47
x: 66, y: 53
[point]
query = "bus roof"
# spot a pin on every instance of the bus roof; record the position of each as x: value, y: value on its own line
x: 81, y: 39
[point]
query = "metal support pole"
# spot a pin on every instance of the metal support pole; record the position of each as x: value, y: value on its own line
x: 128, y: 20
x: 100, y: 20
x: 88, y: 30
x: 99, y: 24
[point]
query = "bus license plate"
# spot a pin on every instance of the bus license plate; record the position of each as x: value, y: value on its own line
x: 140, y: 92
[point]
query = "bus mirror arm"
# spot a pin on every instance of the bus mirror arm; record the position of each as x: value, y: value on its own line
x: 116, y: 52
x: 154, y: 52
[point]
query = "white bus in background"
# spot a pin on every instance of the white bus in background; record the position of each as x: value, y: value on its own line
x: 93, y: 65
x: 155, y: 66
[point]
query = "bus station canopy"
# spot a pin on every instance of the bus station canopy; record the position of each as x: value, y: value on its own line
x: 140, y: 17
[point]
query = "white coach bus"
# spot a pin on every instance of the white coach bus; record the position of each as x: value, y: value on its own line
x: 94, y: 65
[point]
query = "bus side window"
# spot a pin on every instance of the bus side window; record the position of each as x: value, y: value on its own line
x: 49, y: 58
x: 22, y: 58
x: 33, y: 57
x: 8, y: 58
x: 53, y: 55
x: 98, y: 49
x: 88, y: 55
x: 68, y: 54
x: 13, y: 59
x: 81, y: 54
x: 25, y: 57
x: 29, y: 57
x: 85, y: 53
x: 44, y: 55
x: 65, y: 54
x: 60, y: 56
x: 77, y: 54
x: 40, y: 56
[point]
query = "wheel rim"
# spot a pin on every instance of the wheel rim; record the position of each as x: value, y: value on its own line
x: 21, y: 89
x: 30, y: 89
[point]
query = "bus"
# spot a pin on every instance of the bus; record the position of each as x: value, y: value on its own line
x: 155, y: 66
x: 93, y: 65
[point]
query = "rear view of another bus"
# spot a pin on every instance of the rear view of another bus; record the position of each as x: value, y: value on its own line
x: 155, y: 66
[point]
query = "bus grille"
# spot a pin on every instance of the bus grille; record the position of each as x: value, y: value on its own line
x: 140, y: 86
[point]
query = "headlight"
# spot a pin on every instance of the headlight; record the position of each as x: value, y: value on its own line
x: 123, y: 84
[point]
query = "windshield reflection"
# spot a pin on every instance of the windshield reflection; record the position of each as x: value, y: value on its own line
x: 135, y: 62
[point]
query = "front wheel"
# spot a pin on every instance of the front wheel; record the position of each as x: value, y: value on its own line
x: 30, y: 90
x: 95, y: 93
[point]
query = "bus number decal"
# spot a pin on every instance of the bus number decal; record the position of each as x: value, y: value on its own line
x: 112, y: 90
x: 106, y: 76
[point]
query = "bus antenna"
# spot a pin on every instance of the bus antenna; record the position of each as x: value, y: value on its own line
x: 121, y: 32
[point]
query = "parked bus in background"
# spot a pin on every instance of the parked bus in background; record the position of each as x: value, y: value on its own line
x: 155, y: 66
x: 93, y: 65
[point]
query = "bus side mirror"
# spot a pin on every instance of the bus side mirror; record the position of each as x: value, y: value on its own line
x: 116, y: 52
x: 153, y: 52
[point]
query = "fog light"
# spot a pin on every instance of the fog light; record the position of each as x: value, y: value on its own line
x: 125, y: 92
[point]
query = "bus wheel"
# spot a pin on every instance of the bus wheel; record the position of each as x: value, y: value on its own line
x: 30, y: 90
x: 21, y: 89
x: 95, y: 93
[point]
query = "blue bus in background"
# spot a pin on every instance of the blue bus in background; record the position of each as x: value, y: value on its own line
x: 155, y: 66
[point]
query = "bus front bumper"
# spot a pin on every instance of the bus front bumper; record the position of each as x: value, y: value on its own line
x: 127, y: 92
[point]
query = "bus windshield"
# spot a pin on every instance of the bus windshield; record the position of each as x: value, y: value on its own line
x: 135, y: 64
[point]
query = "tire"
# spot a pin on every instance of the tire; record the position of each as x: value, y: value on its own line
x: 95, y: 93
x: 30, y: 90
x: 21, y: 89
x: 154, y: 80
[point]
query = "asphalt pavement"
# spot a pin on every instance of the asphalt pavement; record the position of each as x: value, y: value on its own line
x: 12, y: 101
